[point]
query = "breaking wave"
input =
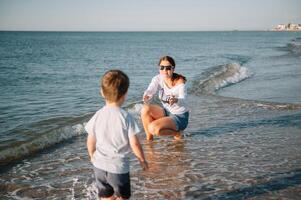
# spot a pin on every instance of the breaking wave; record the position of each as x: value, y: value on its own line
x: 41, y: 142
x: 293, y: 47
x: 221, y: 76
x: 67, y: 129
x: 218, y: 77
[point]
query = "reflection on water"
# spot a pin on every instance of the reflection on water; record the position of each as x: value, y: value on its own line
x: 233, y: 166
x: 168, y: 161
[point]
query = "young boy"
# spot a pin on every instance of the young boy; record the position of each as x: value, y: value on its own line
x: 111, y: 136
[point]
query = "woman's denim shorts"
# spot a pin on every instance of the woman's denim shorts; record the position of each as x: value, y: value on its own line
x: 181, y: 120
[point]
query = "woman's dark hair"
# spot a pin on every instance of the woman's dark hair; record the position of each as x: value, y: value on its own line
x: 175, y: 76
x: 169, y: 59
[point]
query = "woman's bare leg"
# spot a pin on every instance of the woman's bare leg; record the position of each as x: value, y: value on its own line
x: 164, y: 126
x: 149, y: 113
x: 166, y: 132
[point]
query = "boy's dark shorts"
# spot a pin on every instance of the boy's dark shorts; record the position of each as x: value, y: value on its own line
x: 109, y: 183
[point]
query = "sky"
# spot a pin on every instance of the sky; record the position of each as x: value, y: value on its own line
x: 147, y: 15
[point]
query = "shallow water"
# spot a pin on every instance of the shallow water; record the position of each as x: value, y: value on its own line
x: 238, y: 155
x: 242, y: 142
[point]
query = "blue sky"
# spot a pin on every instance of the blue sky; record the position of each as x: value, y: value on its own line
x: 146, y: 15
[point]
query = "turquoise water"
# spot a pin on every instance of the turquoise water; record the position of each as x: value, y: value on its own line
x: 244, y: 94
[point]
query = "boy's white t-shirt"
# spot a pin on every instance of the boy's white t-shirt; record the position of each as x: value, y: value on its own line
x: 112, y: 127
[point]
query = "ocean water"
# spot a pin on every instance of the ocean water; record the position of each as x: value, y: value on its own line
x: 244, y: 92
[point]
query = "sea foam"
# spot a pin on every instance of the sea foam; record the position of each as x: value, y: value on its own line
x: 219, y: 77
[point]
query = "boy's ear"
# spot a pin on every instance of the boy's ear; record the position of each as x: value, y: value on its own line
x: 125, y: 95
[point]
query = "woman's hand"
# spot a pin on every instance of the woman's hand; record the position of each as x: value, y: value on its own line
x: 172, y: 100
x: 146, y: 98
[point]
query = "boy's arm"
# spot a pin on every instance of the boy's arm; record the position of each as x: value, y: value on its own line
x: 91, y: 145
x: 137, y: 149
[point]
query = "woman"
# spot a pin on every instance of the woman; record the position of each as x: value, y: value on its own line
x: 172, y: 118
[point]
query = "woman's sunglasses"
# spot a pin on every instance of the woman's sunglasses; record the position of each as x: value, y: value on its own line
x: 166, y: 67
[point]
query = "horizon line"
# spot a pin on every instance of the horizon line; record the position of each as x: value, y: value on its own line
x: 225, y: 30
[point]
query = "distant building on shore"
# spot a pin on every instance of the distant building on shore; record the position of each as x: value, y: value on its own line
x: 287, y: 27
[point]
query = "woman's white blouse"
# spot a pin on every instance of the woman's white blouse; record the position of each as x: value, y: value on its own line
x: 178, y: 91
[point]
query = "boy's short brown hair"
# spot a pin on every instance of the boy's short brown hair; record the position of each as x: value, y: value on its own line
x: 114, y: 84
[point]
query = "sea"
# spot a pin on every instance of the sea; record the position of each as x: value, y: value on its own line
x: 243, y: 140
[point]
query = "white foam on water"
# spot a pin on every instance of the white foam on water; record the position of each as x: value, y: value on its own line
x: 240, y: 74
x: 46, y: 140
x: 135, y: 110
x: 221, y: 76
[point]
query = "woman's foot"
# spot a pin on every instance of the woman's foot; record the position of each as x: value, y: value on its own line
x: 149, y: 137
x: 178, y: 136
